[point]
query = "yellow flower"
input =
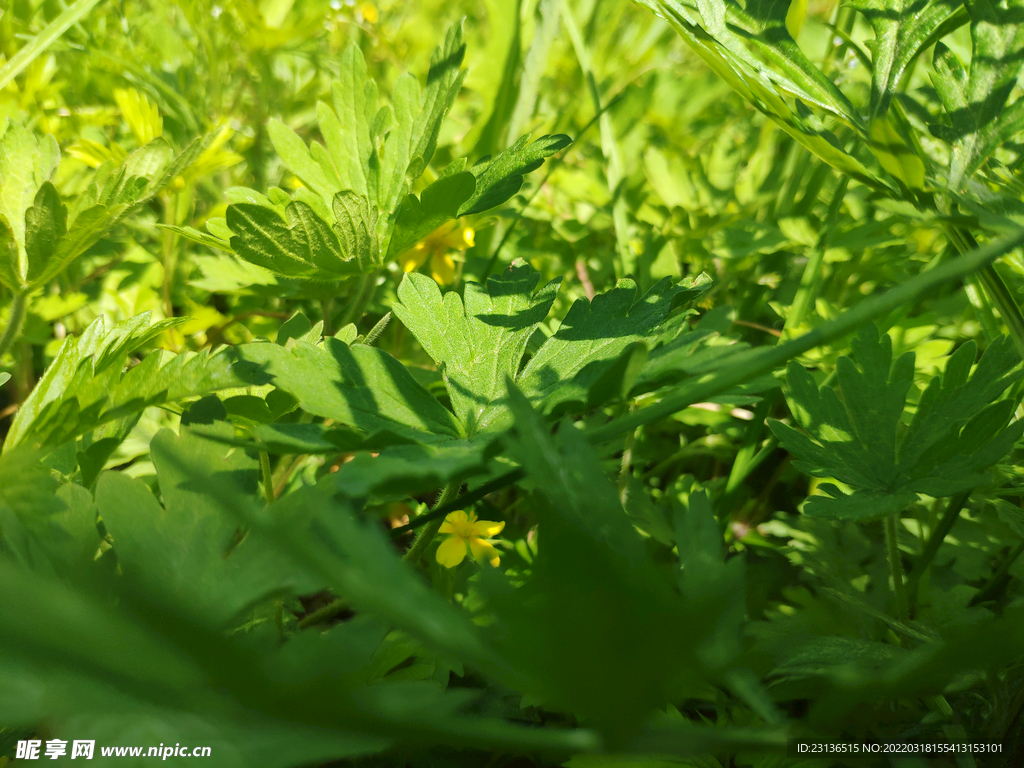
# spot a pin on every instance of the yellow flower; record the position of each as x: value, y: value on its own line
x: 369, y: 12
x: 466, y: 532
x: 451, y: 236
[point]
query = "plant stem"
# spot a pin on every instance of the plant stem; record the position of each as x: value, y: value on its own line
x: 898, y: 587
x: 995, y: 581
x: 994, y: 287
x: 268, y: 477
x: 810, y: 281
x: 367, y: 287
x: 949, y: 516
x: 326, y: 613
x: 425, y: 536
x: 14, y: 322
x: 748, y: 364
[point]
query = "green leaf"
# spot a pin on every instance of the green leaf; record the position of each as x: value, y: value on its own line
x: 25, y: 163
x: 594, y: 334
x: 499, y: 178
x: 30, y: 530
x: 264, y: 239
x: 359, y: 386
x: 976, y: 101
x: 396, y: 156
x: 296, y: 155
x: 304, y: 246
x: 10, y: 274
x: 359, y: 561
x: 596, y: 355
x: 903, y: 28
x: 593, y: 598
x: 197, y: 236
x: 762, y: 87
x: 437, y: 204
x: 957, y: 433
x: 402, y: 471
x: 444, y: 81
x: 208, y: 490
x: 762, y: 25
x: 45, y: 225
x: 86, y: 385
x: 479, y: 342
x: 356, y: 227
x: 346, y: 129
x: 705, y: 575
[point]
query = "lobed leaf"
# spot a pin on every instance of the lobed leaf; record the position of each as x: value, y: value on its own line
x: 478, y: 342
x: 955, y: 436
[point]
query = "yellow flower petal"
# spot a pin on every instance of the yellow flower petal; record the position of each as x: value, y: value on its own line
x: 458, y: 516
x: 483, y: 550
x: 486, y: 528
x: 451, y: 552
x: 458, y: 237
x: 414, y: 258
x: 442, y: 269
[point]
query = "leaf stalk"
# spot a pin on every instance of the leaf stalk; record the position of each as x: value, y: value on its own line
x: 14, y: 322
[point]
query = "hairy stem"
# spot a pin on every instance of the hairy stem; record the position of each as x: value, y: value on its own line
x: 14, y: 322
x: 429, y: 531
x: 898, y: 587
x: 364, y: 293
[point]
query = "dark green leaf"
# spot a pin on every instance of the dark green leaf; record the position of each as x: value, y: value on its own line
x: 500, y: 178
x: 436, y: 205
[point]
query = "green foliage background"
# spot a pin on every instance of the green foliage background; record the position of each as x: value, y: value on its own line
x: 714, y: 305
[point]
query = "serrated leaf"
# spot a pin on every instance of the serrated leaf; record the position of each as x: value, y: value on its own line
x: 396, y: 156
x: 444, y: 80
x: 762, y: 25
x: 500, y: 178
x: 303, y: 246
x: 296, y: 155
x: 903, y: 28
x: 437, y: 204
x: 593, y: 335
x: 86, y: 386
x: 45, y: 225
x: 356, y: 227
x: 359, y: 386
x: 25, y: 163
x: 956, y: 435
x: 597, y: 354
x: 976, y: 101
x: 762, y: 87
x: 479, y: 342
x: 591, y: 585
